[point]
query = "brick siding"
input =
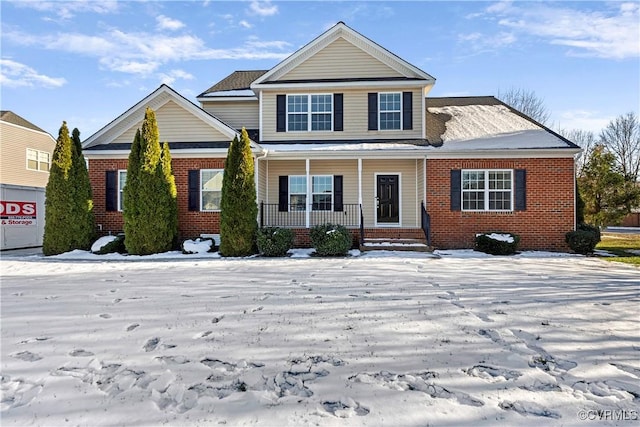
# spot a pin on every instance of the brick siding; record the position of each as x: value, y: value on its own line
x: 542, y: 226
x: 190, y: 223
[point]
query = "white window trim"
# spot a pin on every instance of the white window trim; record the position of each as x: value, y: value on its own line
x: 486, y: 190
x: 389, y: 111
x: 306, y: 186
x: 375, y: 201
x: 38, y: 153
x: 313, y: 194
x: 309, y: 112
x: 201, y: 191
x: 121, y: 190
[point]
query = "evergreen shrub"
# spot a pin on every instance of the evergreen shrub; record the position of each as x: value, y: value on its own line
x: 331, y: 239
x: 114, y: 246
x: 584, y: 239
x: 275, y: 241
x: 497, y: 243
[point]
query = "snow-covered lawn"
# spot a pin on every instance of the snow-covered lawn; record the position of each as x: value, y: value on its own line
x: 397, y: 339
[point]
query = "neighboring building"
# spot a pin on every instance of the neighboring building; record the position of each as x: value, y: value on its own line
x: 25, y: 153
x: 343, y: 132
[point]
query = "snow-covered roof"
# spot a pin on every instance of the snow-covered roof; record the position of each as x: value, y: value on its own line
x: 492, y: 127
x: 229, y: 93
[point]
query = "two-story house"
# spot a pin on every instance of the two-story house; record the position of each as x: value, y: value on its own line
x: 25, y: 158
x: 344, y: 131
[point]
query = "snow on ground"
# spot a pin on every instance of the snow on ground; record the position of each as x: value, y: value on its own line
x: 381, y: 338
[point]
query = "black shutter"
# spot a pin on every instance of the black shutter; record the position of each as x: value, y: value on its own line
x: 194, y: 190
x: 111, y: 199
x: 337, y: 112
x: 338, y: 205
x: 407, y: 110
x: 521, y: 190
x: 373, y: 111
x: 281, y: 113
x: 456, y: 189
x: 283, y: 193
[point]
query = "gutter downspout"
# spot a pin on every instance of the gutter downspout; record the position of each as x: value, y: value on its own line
x: 256, y: 177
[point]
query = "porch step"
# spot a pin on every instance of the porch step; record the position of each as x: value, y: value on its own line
x: 417, y: 245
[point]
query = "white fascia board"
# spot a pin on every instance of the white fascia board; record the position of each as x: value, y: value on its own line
x: 504, y: 154
x: 227, y: 98
x: 29, y: 129
x: 340, y: 85
x: 355, y: 154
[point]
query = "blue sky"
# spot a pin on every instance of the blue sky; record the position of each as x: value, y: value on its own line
x: 87, y: 62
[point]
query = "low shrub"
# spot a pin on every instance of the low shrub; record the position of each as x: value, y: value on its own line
x: 497, y: 243
x: 584, y: 239
x: 114, y: 244
x: 275, y: 241
x: 331, y: 239
x: 198, y: 245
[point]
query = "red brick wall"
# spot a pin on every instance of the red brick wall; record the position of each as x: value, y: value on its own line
x: 550, y: 204
x: 190, y: 224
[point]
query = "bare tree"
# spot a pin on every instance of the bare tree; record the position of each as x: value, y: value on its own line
x: 622, y: 138
x: 526, y: 102
x: 586, y: 140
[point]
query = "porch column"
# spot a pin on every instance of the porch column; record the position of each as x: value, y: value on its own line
x: 360, y: 181
x: 309, y: 201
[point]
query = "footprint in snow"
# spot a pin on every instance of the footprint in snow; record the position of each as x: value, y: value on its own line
x: 132, y: 327
x: 80, y: 353
x: 528, y: 408
x: 105, y: 316
x: 27, y: 356
x: 344, y: 408
x: 151, y: 344
x: 492, y: 373
x: 203, y: 334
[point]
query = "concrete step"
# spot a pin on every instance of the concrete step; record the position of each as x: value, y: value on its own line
x: 417, y: 245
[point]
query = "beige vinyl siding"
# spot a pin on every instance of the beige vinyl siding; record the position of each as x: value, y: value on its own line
x: 263, y: 170
x: 340, y: 60
x: 176, y: 124
x: 14, y: 141
x: 237, y: 114
x: 355, y: 123
x: 349, y: 170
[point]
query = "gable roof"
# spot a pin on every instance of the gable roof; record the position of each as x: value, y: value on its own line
x: 155, y: 100
x: 236, y: 81
x: 11, y: 117
x: 341, y: 30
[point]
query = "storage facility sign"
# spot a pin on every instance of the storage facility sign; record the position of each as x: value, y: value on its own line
x: 18, y: 213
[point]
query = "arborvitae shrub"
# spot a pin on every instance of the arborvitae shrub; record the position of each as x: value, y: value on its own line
x: 584, y: 239
x: 490, y: 243
x: 150, y: 210
x: 331, y: 239
x: 238, y: 208
x: 275, y: 241
x: 69, y: 221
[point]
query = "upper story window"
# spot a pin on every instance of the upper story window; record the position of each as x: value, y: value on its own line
x: 211, y: 189
x: 487, y: 190
x: 390, y: 107
x: 38, y: 160
x: 309, y: 112
x: 122, y: 181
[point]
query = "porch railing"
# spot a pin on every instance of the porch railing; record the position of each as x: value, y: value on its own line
x: 426, y: 223
x: 271, y: 215
x: 361, y: 226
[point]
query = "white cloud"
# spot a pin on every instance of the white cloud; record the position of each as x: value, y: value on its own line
x: 15, y: 74
x: 68, y: 9
x: 482, y: 43
x: 263, y: 8
x: 166, y: 23
x: 245, y: 24
x: 173, y: 75
x: 583, y: 120
x: 145, y: 53
x: 611, y: 32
